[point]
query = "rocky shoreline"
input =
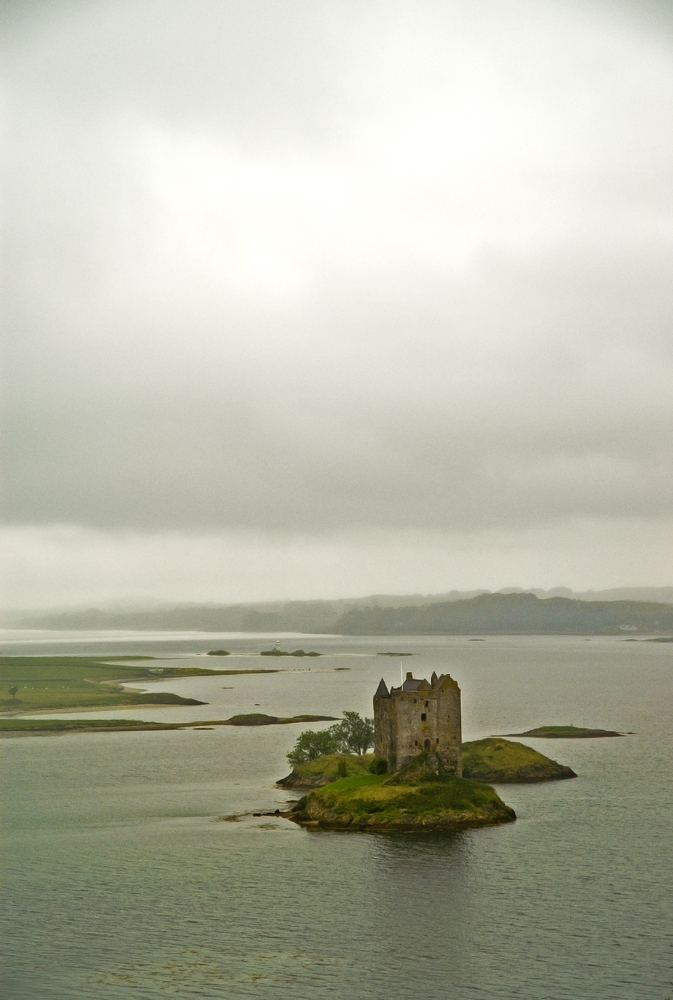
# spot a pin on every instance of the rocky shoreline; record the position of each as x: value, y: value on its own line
x: 420, y: 798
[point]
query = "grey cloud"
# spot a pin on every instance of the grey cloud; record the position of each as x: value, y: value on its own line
x: 273, y: 269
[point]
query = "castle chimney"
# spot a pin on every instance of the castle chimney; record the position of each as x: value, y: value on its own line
x: 410, y: 676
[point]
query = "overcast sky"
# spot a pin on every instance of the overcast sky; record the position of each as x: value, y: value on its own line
x: 328, y: 297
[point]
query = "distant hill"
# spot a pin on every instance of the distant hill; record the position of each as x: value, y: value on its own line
x: 656, y: 595
x: 264, y: 616
x: 511, y: 614
x: 382, y: 614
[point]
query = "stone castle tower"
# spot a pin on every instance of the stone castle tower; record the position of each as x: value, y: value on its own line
x: 419, y: 716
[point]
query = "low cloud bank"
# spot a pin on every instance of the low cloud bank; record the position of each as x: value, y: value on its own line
x: 57, y: 566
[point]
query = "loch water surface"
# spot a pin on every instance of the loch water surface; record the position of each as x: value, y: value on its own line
x: 123, y: 879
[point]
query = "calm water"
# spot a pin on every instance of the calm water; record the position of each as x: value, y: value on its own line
x: 121, y: 880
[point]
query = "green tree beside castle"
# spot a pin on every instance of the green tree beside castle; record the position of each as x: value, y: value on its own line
x: 352, y: 735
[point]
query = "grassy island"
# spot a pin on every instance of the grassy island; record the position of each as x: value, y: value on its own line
x: 259, y: 719
x: 284, y: 652
x: 502, y: 761
x: 421, y: 798
x: 565, y: 733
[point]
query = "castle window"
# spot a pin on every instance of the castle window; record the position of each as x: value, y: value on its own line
x: 423, y: 716
x: 437, y: 741
x: 427, y: 703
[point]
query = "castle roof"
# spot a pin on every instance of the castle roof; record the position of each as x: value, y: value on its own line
x: 416, y: 684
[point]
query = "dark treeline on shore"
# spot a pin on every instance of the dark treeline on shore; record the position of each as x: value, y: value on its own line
x: 453, y: 614
x: 511, y: 614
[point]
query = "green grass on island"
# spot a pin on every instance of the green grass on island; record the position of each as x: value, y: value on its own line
x: 499, y: 760
x: 380, y: 803
x: 325, y: 769
x: 490, y: 760
x: 70, y: 683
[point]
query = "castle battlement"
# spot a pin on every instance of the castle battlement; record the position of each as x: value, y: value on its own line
x: 419, y: 715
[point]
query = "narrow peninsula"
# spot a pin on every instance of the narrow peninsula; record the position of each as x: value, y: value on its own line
x: 54, y: 727
x: 83, y: 683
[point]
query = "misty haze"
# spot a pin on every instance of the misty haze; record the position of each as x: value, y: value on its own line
x: 379, y: 292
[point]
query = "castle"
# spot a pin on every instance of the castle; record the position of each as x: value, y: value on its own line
x: 419, y: 716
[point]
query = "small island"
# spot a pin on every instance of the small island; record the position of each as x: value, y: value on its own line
x: 421, y: 797
x: 277, y: 651
x: 565, y: 733
x: 258, y: 719
x: 504, y: 762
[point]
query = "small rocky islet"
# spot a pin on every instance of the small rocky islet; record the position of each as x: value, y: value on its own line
x: 566, y: 733
x: 283, y: 652
x: 276, y: 651
x: 421, y: 797
x: 505, y: 762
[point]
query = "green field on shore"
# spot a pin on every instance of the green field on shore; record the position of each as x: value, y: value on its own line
x: 61, y: 683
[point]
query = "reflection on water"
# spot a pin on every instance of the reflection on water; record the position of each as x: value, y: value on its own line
x: 121, y: 880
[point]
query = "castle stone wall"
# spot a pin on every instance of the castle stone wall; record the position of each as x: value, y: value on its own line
x: 418, y: 716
